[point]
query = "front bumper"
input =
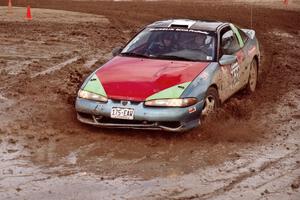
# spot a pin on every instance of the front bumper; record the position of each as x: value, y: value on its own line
x: 153, y: 118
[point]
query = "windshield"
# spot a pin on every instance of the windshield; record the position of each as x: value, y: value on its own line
x: 173, y: 44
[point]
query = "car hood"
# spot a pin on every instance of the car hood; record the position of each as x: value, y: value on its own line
x: 136, y: 79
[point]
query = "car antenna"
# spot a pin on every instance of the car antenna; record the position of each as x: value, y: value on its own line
x: 251, y: 7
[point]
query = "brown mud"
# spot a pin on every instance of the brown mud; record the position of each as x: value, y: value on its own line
x: 249, y: 150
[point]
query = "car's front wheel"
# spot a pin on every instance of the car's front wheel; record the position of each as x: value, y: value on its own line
x: 211, y: 102
x: 252, y: 81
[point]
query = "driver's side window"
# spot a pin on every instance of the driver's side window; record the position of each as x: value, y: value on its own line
x: 229, y: 42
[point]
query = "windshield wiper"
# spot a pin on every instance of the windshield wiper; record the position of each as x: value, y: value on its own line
x: 174, y: 57
x: 134, y: 55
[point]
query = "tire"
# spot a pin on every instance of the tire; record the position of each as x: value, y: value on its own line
x: 212, y: 101
x: 253, y: 76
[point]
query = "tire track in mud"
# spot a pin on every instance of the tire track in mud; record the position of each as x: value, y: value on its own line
x: 56, y: 67
x: 253, y: 172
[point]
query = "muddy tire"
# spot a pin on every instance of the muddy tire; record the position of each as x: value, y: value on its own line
x: 253, y: 76
x: 211, y: 102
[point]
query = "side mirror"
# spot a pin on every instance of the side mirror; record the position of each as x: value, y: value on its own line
x: 116, y: 51
x: 227, y: 60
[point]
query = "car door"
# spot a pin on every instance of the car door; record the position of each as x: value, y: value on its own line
x: 242, y: 57
x: 230, y: 45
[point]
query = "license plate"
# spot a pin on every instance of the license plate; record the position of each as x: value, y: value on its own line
x: 122, y: 113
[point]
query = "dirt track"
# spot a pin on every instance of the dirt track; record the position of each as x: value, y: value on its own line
x: 250, y: 152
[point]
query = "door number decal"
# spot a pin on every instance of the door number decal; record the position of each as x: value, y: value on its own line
x: 235, y: 68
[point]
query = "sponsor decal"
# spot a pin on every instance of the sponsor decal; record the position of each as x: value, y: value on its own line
x: 252, y: 50
x: 209, y: 57
x: 235, y: 68
x: 192, y: 110
x: 204, y: 75
x: 178, y: 29
x: 240, y: 56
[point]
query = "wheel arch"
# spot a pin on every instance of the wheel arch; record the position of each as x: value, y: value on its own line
x: 214, y: 85
x: 257, y: 61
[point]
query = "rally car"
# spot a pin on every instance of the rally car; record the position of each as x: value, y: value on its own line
x: 170, y: 75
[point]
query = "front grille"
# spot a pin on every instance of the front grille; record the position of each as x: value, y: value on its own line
x: 170, y: 124
x: 130, y: 102
x: 109, y: 120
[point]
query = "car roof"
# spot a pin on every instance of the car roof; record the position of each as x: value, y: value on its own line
x: 205, y: 25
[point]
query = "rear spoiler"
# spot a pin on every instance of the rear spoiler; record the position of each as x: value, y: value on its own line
x: 250, y: 33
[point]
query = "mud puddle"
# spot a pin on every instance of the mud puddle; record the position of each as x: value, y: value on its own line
x: 265, y: 169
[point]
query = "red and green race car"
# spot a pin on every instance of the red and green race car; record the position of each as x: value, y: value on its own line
x: 169, y: 75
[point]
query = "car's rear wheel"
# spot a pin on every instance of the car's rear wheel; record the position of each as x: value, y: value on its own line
x: 211, y: 102
x: 252, y: 81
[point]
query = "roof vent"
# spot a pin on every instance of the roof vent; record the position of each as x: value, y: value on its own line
x: 179, y: 26
x: 181, y: 23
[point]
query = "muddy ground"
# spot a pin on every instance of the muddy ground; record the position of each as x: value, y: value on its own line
x: 250, y: 150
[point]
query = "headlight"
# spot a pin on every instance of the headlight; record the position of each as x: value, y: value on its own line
x: 91, y: 96
x: 171, y: 102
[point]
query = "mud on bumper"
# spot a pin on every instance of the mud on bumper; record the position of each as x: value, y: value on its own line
x: 152, y: 118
